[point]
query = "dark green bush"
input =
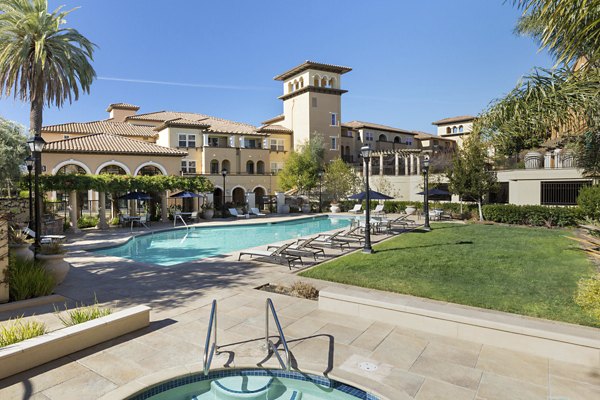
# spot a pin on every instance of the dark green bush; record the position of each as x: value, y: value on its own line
x: 531, y: 215
x: 26, y: 280
x: 87, y: 221
x: 589, y: 202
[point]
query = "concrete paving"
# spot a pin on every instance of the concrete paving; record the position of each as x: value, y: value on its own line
x: 410, y: 364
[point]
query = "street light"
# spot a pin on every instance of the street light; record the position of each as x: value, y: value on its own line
x: 365, y: 151
x: 36, y: 145
x: 320, y: 191
x: 426, y: 201
x: 29, y: 161
x: 224, y: 173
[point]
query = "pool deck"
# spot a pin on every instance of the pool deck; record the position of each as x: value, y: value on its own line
x: 410, y: 364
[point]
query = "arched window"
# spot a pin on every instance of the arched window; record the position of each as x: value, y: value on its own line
x: 250, y: 167
x: 460, y: 129
x: 238, y: 196
x: 70, y: 169
x: 113, y: 170
x: 260, y: 167
x: 316, y: 81
x: 301, y: 82
x: 214, y: 167
x: 454, y: 129
x: 332, y: 83
x: 149, y: 170
x: 324, y: 82
x: 397, y: 139
x: 290, y: 87
x: 225, y: 164
x: 448, y: 130
x: 382, y: 138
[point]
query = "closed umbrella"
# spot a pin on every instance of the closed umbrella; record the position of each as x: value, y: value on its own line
x: 373, y: 195
x: 435, y: 192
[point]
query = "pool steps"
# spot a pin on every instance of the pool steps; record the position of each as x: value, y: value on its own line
x: 262, y: 388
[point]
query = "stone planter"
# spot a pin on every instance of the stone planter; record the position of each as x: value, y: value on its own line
x: 56, y: 265
x: 21, y: 250
x: 283, y: 209
x: 208, y: 214
x: 306, y: 208
x: 334, y: 208
x: 534, y: 160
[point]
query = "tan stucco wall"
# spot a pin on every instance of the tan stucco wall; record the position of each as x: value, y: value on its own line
x: 467, y: 127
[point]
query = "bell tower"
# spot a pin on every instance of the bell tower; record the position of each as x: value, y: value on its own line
x: 312, y: 104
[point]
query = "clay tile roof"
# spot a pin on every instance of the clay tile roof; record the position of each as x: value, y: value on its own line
x: 277, y: 118
x: 426, y: 136
x: 111, y: 127
x: 124, y: 106
x: 213, y: 124
x: 274, y: 129
x: 462, y: 118
x: 184, y: 123
x: 102, y: 143
x: 370, y: 125
x: 338, y: 69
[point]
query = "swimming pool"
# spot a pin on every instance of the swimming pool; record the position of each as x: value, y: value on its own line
x: 253, y: 385
x: 182, y: 245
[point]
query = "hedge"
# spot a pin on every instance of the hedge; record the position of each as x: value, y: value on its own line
x: 532, y: 215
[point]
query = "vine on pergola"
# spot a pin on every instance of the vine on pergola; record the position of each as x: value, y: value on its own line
x: 124, y: 183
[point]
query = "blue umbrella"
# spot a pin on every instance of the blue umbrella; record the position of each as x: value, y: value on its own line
x: 373, y: 195
x: 136, y: 196
x: 185, y: 195
x: 435, y: 192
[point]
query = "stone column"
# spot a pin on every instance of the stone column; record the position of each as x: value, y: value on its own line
x: 381, y: 165
x: 102, y: 211
x: 412, y: 164
x: 364, y: 167
x: 418, y: 165
x: 164, y: 210
x: 73, y: 211
x: 406, y: 170
x: 396, y: 165
x: 251, y: 198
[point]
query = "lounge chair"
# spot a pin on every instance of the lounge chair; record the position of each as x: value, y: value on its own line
x: 256, y: 211
x: 301, y: 248
x: 278, y: 256
x: 331, y: 240
x: 357, y: 208
x: 378, y: 209
x: 402, y: 220
x: 142, y: 221
x: 45, y: 239
x: 234, y: 213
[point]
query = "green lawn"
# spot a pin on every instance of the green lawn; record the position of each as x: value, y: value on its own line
x: 529, y: 271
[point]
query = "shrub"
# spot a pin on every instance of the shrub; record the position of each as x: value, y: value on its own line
x: 19, y: 330
x: 52, y: 248
x: 589, y: 202
x: 82, y: 314
x: 588, y: 295
x: 304, y: 290
x: 114, y: 221
x: 87, y: 221
x: 531, y: 215
x: 26, y: 279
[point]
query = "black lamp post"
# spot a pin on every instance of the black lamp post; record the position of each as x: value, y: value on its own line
x: 366, y: 154
x: 29, y: 161
x: 224, y: 173
x: 426, y: 201
x: 320, y: 191
x: 36, y: 145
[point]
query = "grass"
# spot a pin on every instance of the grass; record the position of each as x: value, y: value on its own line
x: 528, y: 271
x: 18, y: 330
x: 82, y: 314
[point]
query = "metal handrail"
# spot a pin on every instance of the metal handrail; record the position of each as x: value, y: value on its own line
x: 212, y: 324
x: 270, y: 345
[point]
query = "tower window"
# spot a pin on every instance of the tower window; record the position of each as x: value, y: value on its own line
x: 314, y: 102
x: 460, y: 129
x: 333, y: 119
x: 333, y: 143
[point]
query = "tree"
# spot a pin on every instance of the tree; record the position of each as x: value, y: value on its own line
x: 13, y: 150
x: 340, y: 180
x: 40, y: 61
x: 301, y: 170
x: 471, y: 173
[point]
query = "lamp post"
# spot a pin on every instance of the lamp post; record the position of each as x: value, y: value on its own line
x: 320, y: 191
x: 366, y: 154
x: 224, y: 173
x: 426, y: 200
x: 29, y: 161
x: 36, y: 145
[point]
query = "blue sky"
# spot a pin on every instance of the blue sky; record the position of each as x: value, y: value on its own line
x: 413, y: 62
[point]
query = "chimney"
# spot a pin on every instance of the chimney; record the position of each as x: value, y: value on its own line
x: 118, y: 112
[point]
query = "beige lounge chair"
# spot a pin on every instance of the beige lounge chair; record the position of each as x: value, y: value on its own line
x: 234, y: 213
x: 403, y: 221
x: 256, y: 211
x: 378, y: 209
x: 278, y: 256
x: 331, y: 240
x: 302, y: 248
x: 357, y: 209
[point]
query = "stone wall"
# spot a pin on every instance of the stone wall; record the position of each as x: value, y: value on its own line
x: 3, y: 260
x: 16, y: 208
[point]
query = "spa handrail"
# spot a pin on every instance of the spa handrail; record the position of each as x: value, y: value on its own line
x: 212, y: 324
x: 270, y: 345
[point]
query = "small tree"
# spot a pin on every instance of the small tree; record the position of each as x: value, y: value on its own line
x: 340, y: 180
x: 301, y: 170
x: 13, y: 150
x: 471, y: 174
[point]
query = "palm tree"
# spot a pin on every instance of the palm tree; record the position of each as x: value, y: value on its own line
x: 41, y: 62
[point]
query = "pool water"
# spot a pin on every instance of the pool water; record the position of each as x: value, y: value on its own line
x: 253, y: 385
x: 182, y: 245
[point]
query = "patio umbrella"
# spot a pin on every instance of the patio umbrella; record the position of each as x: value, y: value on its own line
x: 185, y: 195
x: 136, y: 196
x: 373, y: 195
x: 435, y: 192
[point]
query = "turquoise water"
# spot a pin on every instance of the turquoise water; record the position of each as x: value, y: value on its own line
x: 182, y: 245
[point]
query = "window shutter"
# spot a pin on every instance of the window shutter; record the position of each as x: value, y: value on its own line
x: 205, y: 136
x: 242, y: 144
x: 231, y: 141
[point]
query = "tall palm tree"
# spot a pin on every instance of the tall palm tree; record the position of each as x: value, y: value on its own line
x: 40, y: 61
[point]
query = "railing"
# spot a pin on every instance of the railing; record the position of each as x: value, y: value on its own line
x: 212, y: 324
x: 270, y: 345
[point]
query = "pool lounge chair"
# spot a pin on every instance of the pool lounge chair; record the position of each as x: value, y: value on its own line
x: 45, y: 239
x: 234, y: 213
x: 357, y: 208
x: 331, y: 240
x: 302, y: 248
x: 402, y: 220
x: 256, y: 211
x: 278, y: 256
x: 378, y: 209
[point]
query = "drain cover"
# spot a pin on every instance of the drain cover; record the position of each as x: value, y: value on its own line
x: 367, y: 366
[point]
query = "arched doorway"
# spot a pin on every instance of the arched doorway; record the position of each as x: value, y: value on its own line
x: 250, y: 167
x: 259, y: 197
x: 61, y: 202
x: 218, y: 198
x: 260, y: 167
x: 112, y: 199
x: 238, y: 196
x: 151, y: 206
